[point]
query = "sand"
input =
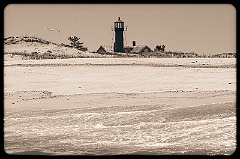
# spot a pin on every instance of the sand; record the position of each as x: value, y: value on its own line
x: 120, y: 106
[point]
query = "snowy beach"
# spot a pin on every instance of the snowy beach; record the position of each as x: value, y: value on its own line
x: 120, y: 106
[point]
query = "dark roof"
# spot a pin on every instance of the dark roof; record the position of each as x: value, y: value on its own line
x: 119, y: 20
x: 139, y: 48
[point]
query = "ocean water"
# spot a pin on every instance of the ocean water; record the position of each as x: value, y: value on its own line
x: 150, y: 129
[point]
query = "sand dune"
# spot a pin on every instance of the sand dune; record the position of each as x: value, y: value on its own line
x: 27, y: 45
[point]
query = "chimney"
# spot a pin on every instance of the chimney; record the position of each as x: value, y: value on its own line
x: 134, y: 43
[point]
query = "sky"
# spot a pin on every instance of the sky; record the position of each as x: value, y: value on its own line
x: 200, y: 28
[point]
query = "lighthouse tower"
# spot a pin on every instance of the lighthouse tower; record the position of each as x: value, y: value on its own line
x: 118, y: 28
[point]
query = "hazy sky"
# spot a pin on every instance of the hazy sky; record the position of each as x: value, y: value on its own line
x: 202, y: 28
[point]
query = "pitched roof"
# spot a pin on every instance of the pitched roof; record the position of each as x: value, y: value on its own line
x: 108, y: 48
x: 139, y: 48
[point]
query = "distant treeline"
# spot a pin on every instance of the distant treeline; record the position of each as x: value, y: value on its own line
x: 170, y: 54
x: 46, y: 55
x: 49, y: 55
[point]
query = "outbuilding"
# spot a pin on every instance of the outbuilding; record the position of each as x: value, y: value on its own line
x: 105, y: 49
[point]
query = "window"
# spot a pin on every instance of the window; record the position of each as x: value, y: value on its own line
x: 119, y: 25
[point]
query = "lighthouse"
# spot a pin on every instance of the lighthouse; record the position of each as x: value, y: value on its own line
x: 119, y: 28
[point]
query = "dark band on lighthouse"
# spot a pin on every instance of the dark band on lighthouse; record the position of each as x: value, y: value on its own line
x: 118, y: 28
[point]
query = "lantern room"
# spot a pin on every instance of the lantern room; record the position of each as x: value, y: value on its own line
x: 119, y: 24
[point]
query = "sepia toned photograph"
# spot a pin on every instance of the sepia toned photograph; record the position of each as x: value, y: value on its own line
x: 119, y: 79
